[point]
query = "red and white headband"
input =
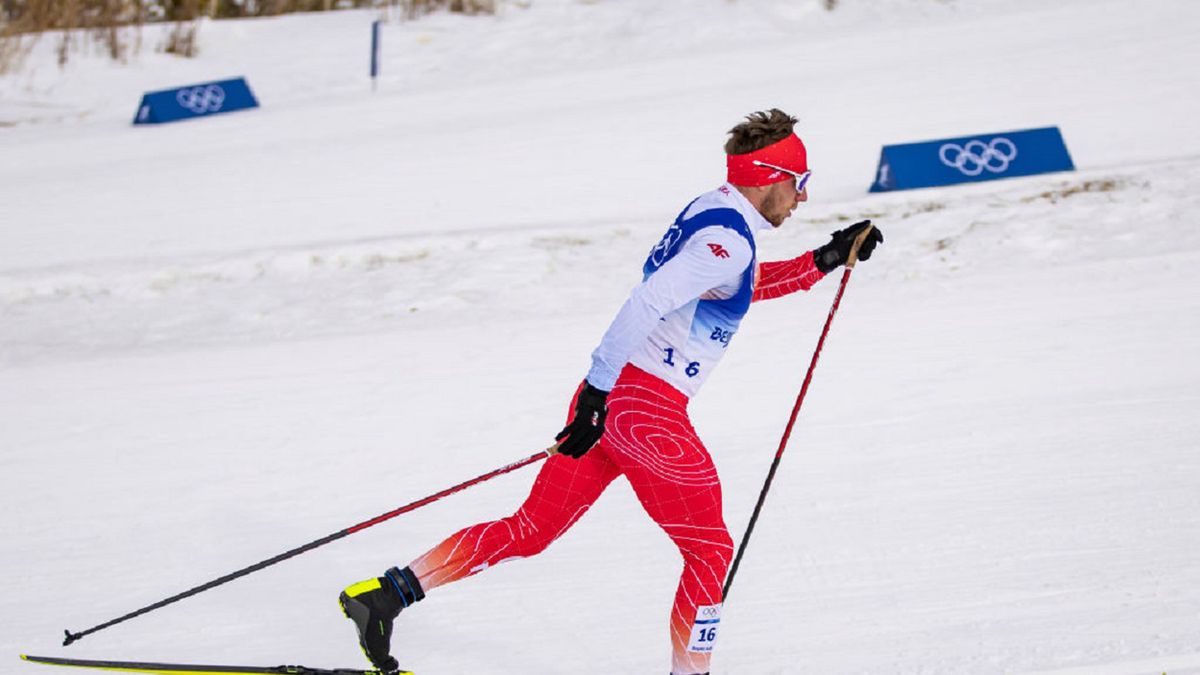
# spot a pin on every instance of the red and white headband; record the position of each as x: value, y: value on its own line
x: 752, y: 170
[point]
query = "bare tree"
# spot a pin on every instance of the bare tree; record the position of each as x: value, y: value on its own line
x: 116, y: 24
x: 182, y: 38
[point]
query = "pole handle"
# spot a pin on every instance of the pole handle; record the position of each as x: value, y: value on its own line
x: 858, y: 242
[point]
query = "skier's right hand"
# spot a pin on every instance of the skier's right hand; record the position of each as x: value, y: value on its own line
x: 587, y: 425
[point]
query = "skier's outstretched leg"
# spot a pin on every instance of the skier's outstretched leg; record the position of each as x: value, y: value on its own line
x: 649, y: 436
x: 564, y: 490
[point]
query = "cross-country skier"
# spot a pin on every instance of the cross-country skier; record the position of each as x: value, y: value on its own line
x: 629, y: 416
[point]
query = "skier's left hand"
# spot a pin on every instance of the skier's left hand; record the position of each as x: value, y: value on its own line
x: 587, y: 426
x: 834, y: 254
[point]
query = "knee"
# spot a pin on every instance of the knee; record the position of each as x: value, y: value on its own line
x: 725, y: 550
x: 712, y: 546
x: 721, y: 551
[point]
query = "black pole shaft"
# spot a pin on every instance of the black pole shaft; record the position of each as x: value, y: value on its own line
x: 737, y: 560
x: 787, y: 432
x: 72, y: 637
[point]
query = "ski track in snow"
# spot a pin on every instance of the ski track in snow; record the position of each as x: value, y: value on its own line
x: 222, y: 339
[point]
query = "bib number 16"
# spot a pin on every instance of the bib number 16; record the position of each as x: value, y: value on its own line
x: 704, y: 630
x: 692, y: 369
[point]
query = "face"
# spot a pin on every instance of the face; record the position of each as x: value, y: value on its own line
x: 781, y: 200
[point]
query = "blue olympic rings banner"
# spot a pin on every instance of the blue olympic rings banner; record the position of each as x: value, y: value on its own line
x: 969, y: 159
x: 196, y: 100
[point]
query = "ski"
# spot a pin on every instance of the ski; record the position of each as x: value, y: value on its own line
x: 197, y: 669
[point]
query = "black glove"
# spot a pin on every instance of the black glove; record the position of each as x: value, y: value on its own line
x: 834, y: 254
x: 587, y: 426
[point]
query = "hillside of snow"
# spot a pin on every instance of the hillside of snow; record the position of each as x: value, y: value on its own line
x: 223, y: 338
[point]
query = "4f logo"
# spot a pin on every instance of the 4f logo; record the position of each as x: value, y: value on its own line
x: 718, y: 250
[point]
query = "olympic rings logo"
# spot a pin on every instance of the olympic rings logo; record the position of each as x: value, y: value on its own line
x: 976, y: 156
x: 201, y: 100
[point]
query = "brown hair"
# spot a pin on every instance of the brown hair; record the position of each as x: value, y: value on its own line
x: 760, y: 129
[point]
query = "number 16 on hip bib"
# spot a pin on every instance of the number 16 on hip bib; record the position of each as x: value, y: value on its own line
x: 704, y: 628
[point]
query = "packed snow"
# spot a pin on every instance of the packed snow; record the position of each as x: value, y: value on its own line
x: 223, y: 338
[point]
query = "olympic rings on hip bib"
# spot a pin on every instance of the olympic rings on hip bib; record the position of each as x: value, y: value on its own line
x: 975, y: 156
x: 201, y: 100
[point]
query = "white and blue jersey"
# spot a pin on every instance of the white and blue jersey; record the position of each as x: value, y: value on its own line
x: 697, y: 285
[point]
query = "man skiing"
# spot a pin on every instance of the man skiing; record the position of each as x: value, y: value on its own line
x: 629, y: 416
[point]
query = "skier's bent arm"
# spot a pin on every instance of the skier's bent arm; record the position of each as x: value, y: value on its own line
x: 783, y: 277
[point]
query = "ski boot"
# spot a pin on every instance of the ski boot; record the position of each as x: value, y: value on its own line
x: 373, y: 604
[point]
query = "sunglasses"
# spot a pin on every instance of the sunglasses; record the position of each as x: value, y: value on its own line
x: 801, y: 178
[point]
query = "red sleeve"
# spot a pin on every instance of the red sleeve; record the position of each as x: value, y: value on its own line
x: 783, y: 277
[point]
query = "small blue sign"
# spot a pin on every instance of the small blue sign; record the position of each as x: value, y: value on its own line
x: 374, y: 50
x: 196, y: 100
x: 970, y: 159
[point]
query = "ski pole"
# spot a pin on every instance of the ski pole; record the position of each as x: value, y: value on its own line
x: 72, y: 637
x: 787, y: 432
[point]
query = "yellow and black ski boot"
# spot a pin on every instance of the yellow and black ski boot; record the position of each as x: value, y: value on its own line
x: 373, y: 604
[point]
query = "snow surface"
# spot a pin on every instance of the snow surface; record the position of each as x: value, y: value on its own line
x: 222, y: 339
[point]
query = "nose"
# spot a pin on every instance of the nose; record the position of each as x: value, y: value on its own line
x: 802, y: 196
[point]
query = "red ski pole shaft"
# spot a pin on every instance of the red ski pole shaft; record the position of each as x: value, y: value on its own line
x: 72, y: 637
x: 787, y: 432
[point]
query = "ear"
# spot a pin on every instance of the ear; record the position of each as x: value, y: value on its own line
x: 754, y: 194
